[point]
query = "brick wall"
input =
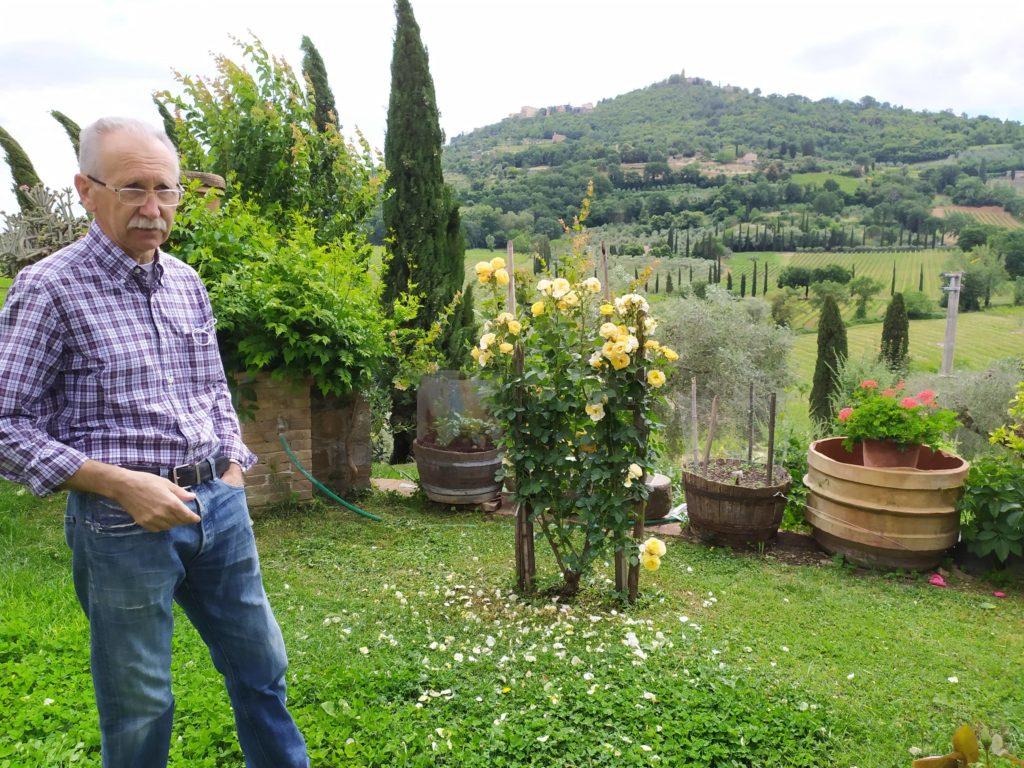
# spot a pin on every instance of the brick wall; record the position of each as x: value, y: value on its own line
x: 274, y: 478
x: 342, y: 450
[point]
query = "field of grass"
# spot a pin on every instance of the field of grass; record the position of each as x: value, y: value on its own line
x: 847, y: 184
x: 982, y: 337
x: 5, y: 283
x: 409, y: 647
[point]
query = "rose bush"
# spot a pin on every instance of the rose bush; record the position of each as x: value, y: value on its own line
x: 571, y: 383
x: 890, y: 414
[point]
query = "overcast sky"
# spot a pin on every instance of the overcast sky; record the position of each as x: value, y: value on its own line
x: 490, y: 57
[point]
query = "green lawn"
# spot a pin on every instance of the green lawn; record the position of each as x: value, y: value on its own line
x: 982, y: 337
x: 5, y: 283
x: 409, y: 647
x: 847, y: 184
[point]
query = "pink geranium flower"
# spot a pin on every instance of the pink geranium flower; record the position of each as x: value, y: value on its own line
x: 889, y: 393
x: 869, y: 384
x: 909, y: 402
x: 844, y: 413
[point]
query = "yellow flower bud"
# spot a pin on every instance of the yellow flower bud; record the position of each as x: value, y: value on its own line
x: 607, y: 309
x: 505, y: 347
x: 537, y: 309
x: 670, y: 354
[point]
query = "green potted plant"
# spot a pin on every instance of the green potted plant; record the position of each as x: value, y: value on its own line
x: 455, y: 447
x: 891, y: 426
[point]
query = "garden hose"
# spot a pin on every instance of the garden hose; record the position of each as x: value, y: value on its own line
x: 320, y: 486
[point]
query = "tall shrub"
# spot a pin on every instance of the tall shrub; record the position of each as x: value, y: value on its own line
x: 895, y: 349
x: 315, y: 72
x: 22, y: 171
x: 259, y: 131
x: 832, y: 352
x: 71, y: 128
x: 421, y: 218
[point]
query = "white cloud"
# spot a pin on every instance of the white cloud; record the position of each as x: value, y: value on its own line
x: 489, y: 58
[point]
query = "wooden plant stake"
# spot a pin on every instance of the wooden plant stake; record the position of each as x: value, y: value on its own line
x: 771, y: 437
x: 694, y: 440
x: 604, y: 273
x: 526, y: 565
x: 750, y: 425
x: 640, y: 424
x: 712, y: 423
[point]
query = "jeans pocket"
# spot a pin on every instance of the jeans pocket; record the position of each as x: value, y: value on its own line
x: 108, y: 518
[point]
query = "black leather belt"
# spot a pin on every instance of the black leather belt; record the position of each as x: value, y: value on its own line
x: 188, y: 475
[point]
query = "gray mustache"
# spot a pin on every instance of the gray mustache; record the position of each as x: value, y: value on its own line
x: 144, y: 222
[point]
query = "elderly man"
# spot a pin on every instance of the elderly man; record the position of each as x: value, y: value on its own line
x: 111, y: 386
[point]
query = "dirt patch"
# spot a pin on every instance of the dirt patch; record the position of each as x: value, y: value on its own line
x: 741, y: 473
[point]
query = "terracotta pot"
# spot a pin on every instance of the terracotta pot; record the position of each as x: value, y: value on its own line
x: 734, y: 515
x: 885, y: 453
x: 883, y: 517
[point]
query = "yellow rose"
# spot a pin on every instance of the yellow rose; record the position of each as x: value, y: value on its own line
x: 483, y: 266
x: 655, y: 547
x: 475, y: 353
x: 595, y: 411
x: 649, y: 561
x: 608, y: 330
x: 560, y: 287
x: 670, y: 354
x: 607, y: 309
x: 651, y: 344
x: 619, y: 361
x: 486, y: 340
x: 571, y: 299
x: 592, y: 284
x: 514, y: 327
x: 501, y: 275
x: 497, y: 263
x: 655, y: 378
x: 505, y: 347
x: 595, y: 360
x: 537, y: 309
x: 635, y: 471
x: 503, y: 318
x: 544, y: 286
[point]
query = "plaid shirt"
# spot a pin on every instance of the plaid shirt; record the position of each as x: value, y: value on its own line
x: 102, y: 360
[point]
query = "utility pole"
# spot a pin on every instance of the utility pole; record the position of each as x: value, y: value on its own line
x: 952, y: 309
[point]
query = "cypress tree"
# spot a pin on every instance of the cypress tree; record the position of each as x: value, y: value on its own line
x: 70, y: 127
x: 668, y: 283
x: 832, y: 352
x: 421, y: 215
x: 764, y: 289
x: 21, y: 168
x: 892, y: 287
x: 895, y: 336
x: 743, y: 285
x: 170, y: 126
x: 920, y: 279
x: 315, y: 71
x: 728, y: 281
x: 753, y: 282
x: 691, y: 273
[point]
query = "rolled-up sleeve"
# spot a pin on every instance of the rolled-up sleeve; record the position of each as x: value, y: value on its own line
x: 30, y: 354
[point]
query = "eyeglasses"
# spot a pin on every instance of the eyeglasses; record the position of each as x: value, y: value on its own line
x: 135, y: 197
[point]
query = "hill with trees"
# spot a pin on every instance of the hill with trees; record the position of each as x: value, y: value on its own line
x: 684, y: 154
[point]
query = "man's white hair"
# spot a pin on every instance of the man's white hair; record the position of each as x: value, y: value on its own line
x: 91, y: 138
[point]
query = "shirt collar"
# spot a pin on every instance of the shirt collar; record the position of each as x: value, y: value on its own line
x: 114, y: 261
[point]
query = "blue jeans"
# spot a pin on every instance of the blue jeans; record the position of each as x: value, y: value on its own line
x: 126, y: 579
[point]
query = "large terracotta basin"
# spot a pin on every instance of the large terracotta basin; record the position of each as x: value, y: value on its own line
x: 884, y: 518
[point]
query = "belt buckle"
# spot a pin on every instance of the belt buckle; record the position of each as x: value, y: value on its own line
x: 174, y: 473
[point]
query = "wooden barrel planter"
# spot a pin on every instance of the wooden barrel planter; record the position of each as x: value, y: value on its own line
x: 735, y: 515
x: 457, y: 477
x: 884, y: 518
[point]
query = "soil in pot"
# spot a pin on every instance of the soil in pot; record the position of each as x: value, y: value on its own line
x: 732, y: 503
